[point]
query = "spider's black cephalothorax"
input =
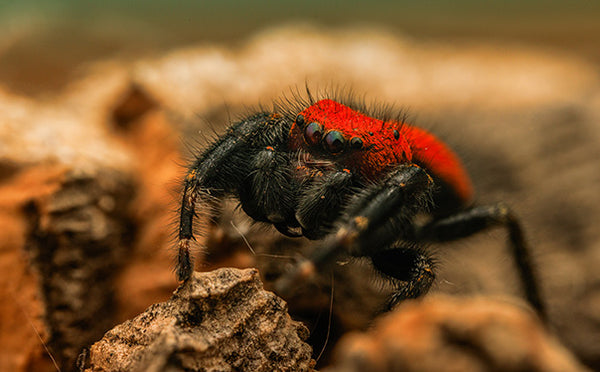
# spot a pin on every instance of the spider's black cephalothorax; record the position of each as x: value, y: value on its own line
x: 327, y: 171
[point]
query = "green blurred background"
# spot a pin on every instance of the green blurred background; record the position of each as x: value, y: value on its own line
x: 44, y: 43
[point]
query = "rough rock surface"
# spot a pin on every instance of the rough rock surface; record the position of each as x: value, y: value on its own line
x: 217, y: 321
x: 443, y: 334
x: 330, y: 304
x: 76, y: 244
x: 68, y: 182
x: 65, y: 202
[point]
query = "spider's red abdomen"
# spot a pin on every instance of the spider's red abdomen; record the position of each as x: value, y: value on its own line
x: 382, y: 144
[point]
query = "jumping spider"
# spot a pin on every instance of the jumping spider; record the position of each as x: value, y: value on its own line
x: 330, y: 172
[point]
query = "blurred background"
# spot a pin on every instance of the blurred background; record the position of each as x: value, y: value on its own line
x: 44, y: 42
x: 99, y: 102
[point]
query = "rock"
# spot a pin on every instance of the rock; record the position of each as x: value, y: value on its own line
x: 68, y: 184
x: 66, y: 189
x: 77, y: 241
x: 443, y: 334
x: 22, y: 310
x: 355, y: 301
x: 217, y: 321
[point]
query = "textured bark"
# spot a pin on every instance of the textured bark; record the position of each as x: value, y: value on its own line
x: 217, y: 321
x: 442, y: 334
x: 71, y: 240
x: 76, y: 244
x: 22, y: 325
x: 69, y: 229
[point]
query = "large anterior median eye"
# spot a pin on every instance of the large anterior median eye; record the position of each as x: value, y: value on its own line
x: 334, y: 142
x: 313, y: 133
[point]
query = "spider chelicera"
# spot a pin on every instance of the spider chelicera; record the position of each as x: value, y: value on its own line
x: 331, y: 172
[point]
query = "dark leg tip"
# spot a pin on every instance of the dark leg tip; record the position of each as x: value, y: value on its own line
x: 184, y: 268
x: 183, y: 273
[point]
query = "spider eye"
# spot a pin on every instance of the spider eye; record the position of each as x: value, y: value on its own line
x: 313, y: 133
x: 300, y: 120
x: 334, y: 141
x: 356, y: 143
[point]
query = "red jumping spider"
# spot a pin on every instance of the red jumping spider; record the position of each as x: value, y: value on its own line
x: 328, y: 171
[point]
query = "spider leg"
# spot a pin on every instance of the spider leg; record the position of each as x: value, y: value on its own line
x: 376, y: 209
x: 220, y: 170
x: 322, y: 202
x: 267, y: 193
x: 479, y: 218
x: 407, y: 263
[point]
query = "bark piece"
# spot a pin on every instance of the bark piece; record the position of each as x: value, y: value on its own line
x: 217, y: 321
x: 77, y: 241
x: 330, y: 303
x: 454, y: 334
x: 66, y: 184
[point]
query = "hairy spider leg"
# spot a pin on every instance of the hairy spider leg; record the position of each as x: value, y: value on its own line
x: 369, y: 227
x: 409, y: 266
x: 321, y: 202
x: 479, y: 218
x: 378, y: 223
x: 268, y: 192
x: 223, y: 169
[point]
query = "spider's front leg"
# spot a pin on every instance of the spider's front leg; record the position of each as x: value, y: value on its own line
x: 267, y: 194
x: 321, y: 202
x: 373, y: 225
x: 252, y: 150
